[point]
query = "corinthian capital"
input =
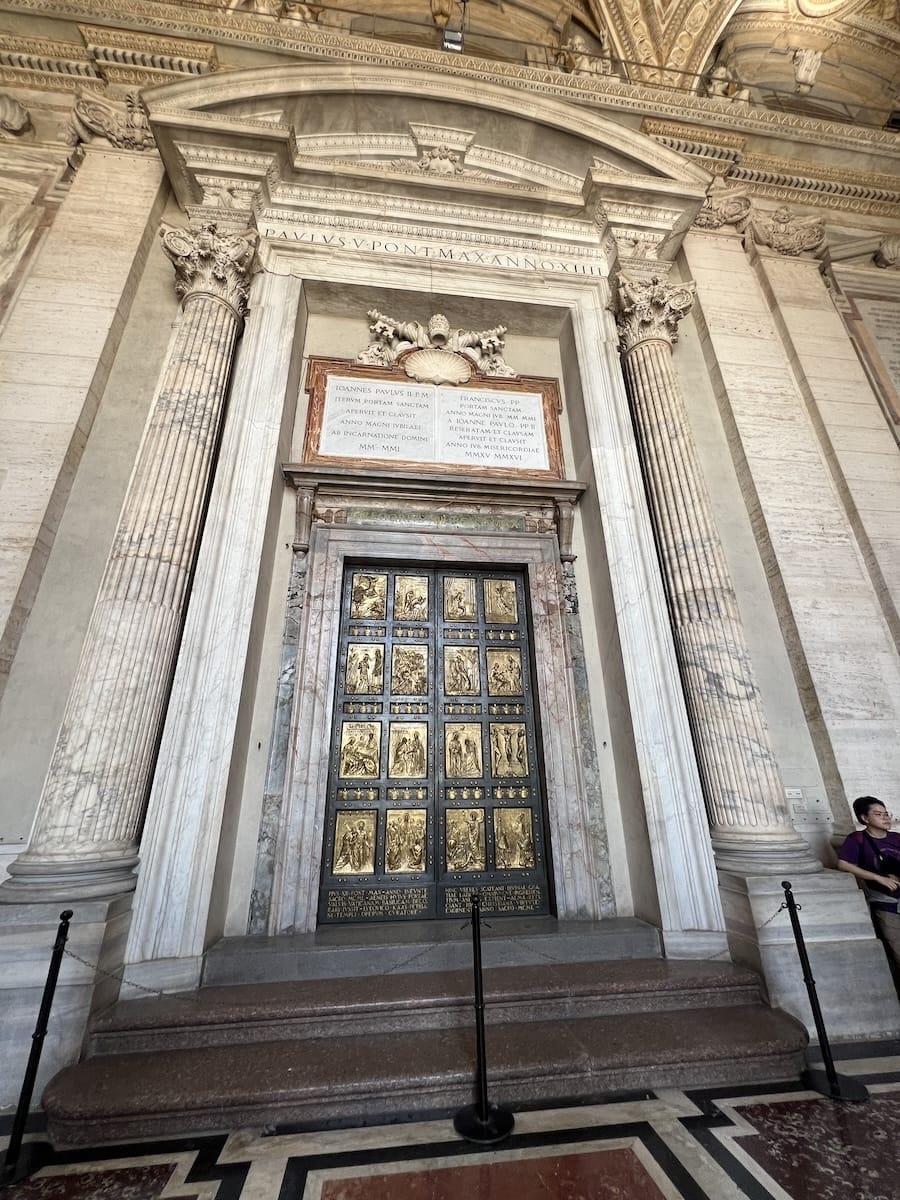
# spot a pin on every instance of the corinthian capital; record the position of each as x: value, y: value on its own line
x: 211, y: 264
x: 649, y: 311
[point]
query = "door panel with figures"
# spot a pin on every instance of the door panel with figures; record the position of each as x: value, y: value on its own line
x: 434, y: 785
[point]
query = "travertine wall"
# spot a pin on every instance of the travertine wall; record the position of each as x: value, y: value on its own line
x: 58, y: 346
x: 844, y: 660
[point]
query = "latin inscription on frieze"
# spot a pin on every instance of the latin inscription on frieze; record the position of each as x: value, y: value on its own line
x: 419, y: 423
x: 498, y: 898
x: 377, y: 904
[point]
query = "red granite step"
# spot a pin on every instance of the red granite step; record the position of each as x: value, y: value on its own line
x: 436, y: 1000
x: 394, y: 1075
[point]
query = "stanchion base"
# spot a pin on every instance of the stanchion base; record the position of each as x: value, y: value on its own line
x: 469, y: 1125
x: 849, y: 1091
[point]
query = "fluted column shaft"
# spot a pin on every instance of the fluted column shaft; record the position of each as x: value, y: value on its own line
x: 750, y: 824
x: 92, y: 804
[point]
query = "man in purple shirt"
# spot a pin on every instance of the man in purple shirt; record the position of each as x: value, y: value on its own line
x: 872, y: 854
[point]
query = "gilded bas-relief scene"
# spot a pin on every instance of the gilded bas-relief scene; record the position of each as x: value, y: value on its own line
x: 465, y: 839
x: 513, y: 841
x: 365, y: 670
x: 409, y: 671
x: 444, y: 640
x: 459, y: 599
x: 462, y: 676
x: 405, y: 844
x: 360, y: 749
x: 509, y: 750
x: 504, y: 670
x: 368, y: 597
x: 407, y: 756
x: 500, y: 605
x: 354, y: 843
x: 411, y: 598
x: 463, y: 752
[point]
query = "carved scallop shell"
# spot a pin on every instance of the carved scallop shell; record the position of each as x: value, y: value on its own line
x: 437, y: 366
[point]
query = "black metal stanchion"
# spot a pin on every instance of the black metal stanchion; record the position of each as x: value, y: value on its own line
x: 827, y: 1082
x: 9, y: 1173
x: 482, y: 1122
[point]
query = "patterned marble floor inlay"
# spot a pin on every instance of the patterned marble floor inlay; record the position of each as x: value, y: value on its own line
x: 739, y: 1143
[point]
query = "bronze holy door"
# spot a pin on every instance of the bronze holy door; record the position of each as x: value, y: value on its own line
x: 434, y: 786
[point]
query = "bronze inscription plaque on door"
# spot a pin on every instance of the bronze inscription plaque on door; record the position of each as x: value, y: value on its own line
x: 434, y: 786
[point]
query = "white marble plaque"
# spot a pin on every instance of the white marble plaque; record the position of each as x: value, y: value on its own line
x: 381, y: 419
x: 491, y: 429
x: 373, y: 418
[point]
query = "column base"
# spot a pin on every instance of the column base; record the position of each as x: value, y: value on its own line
x: 840, y: 940
x: 36, y: 879
x: 781, y: 855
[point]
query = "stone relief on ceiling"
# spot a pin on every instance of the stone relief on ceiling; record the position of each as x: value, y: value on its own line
x: 435, y: 353
x: 806, y: 67
x: 575, y: 56
x: 782, y: 231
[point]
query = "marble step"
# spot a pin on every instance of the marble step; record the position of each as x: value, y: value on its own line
x: 436, y: 1001
x: 413, y: 947
x: 396, y: 1076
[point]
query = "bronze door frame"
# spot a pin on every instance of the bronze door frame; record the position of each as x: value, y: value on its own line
x: 435, y: 781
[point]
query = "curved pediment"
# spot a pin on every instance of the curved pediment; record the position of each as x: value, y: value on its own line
x: 356, y: 106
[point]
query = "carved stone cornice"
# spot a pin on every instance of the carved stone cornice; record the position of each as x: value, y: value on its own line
x: 650, y: 310
x: 785, y: 232
x: 316, y: 41
x: 107, y: 56
x: 211, y: 264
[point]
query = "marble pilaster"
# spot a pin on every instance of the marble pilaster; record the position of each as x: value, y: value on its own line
x: 84, y: 841
x: 183, y: 832
x: 751, y: 827
x: 843, y: 657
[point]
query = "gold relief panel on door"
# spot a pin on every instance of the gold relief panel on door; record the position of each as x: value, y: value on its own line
x: 462, y: 676
x: 459, y: 599
x: 360, y: 749
x: 513, y: 839
x: 409, y: 671
x: 354, y: 843
x: 504, y: 668
x: 463, y: 751
x: 509, y: 750
x: 405, y: 841
x: 365, y: 670
x: 407, y: 750
x: 500, y: 603
x: 411, y: 598
x: 368, y: 596
x: 464, y: 839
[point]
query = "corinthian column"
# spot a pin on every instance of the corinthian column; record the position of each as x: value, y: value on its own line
x: 751, y: 828
x: 88, y: 822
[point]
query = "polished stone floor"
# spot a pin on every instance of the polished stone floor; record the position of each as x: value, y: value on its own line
x: 784, y: 1143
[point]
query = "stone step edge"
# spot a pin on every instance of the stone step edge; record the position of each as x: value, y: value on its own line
x: 300, y: 1027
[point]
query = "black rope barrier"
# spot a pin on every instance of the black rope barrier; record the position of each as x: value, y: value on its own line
x: 481, y: 1122
x: 827, y: 1082
x: 10, y: 1173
